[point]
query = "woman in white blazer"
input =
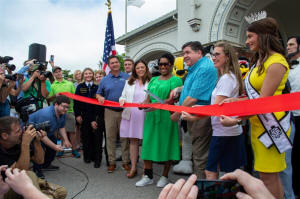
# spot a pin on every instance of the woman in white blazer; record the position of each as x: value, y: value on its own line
x: 132, y: 123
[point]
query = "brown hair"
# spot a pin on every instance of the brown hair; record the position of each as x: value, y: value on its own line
x: 134, y: 76
x: 100, y: 72
x: 268, y: 40
x: 5, y: 124
x: 89, y: 70
x: 232, y: 64
x: 128, y: 59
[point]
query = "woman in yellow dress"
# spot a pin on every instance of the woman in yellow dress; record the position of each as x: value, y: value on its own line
x: 267, y: 77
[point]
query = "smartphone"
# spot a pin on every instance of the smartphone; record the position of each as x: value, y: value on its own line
x: 211, y: 189
x: 51, y: 58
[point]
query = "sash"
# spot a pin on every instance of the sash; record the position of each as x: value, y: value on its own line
x: 275, y: 133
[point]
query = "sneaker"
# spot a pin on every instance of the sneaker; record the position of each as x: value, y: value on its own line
x: 163, y: 181
x: 76, y: 154
x: 111, y: 168
x: 144, y: 181
x: 50, y: 168
x: 39, y: 173
x: 60, y: 154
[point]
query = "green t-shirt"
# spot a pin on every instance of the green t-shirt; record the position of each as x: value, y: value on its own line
x: 63, y: 86
x: 34, y: 89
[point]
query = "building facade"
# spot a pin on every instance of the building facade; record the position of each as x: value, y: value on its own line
x: 206, y: 21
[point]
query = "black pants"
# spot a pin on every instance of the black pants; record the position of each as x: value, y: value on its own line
x: 295, y: 157
x: 91, y: 141
x: 49, y: 155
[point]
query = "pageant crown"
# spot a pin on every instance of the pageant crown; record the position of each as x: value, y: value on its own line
x: 256, y: 16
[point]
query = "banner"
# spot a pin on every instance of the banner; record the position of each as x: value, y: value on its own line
x: 285, y: 102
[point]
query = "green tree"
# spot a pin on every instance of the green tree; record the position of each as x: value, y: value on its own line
x: 66, y: 74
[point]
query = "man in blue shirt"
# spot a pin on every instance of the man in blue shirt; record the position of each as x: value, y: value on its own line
x: 110, y: 88
x: 198, y: 86
x: 56, y: 116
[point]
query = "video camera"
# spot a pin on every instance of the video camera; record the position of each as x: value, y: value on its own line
x: 5, y: 60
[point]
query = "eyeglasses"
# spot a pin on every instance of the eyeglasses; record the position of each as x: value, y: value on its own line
x: 163, y: 64
x: 65, y: 106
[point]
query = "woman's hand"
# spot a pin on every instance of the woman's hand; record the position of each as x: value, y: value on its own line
x: 122, y: 101
x: 228, y: 100
x: 228, y: 121
x: 94, y: 125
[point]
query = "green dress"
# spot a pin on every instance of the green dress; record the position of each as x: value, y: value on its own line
x: 161, y: 137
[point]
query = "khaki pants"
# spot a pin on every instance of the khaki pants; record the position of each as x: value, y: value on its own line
x: 112, y: 127
x: 201, y: 133
x: 51, y: 190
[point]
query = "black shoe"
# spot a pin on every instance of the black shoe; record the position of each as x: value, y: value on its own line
x: 50, y: 168
x: 96, y: 165
x: 39, y: 173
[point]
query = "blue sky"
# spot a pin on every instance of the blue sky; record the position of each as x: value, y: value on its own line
x: 72, y: 30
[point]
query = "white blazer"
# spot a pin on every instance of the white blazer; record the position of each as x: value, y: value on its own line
x: 127, y: 95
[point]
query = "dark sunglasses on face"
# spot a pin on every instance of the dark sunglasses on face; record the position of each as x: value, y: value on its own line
x: 163, y: 64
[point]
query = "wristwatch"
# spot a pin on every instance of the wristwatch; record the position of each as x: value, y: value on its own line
x: 239, y: 122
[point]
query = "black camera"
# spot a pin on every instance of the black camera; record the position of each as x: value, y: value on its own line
x: 44, y: 126
x: 11, y: 77
x: 5, y: 60
x: 47, y: 74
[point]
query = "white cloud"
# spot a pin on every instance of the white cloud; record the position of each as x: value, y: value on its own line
x: 72, y: 30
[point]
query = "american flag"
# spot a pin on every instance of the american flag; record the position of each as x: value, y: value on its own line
x: 109, y: 43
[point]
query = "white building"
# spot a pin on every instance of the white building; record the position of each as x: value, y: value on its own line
x: 207, y: 21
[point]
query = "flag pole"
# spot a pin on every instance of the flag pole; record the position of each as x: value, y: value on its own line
x: 126, y: 16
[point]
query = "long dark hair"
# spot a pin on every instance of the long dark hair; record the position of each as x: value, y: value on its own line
x: 134, y: 76
x: 268, y: 40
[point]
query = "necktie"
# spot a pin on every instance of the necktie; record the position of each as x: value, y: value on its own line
x: 89, y: 88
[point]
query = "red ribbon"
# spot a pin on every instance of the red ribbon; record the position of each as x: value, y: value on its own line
x: 285, y: 102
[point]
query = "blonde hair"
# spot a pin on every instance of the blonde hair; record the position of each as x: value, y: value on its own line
x: 82, y: 74
x: 75, y: 74
x: 232, y: 64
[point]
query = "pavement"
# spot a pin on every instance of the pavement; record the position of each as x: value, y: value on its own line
x: 83, y: 181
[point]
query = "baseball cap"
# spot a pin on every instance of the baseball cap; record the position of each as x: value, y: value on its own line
x: 54, y: 68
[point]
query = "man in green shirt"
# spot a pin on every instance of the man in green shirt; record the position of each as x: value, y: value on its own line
x: 58, y: 86
x: 37, y: 86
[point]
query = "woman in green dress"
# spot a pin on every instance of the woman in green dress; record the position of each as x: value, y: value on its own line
x: 160, y: 138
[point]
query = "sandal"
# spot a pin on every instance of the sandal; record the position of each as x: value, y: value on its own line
x: 131, y: 173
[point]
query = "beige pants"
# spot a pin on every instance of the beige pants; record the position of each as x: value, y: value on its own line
x: 201, y: 133
x: 112, y: 127
x: 51, y: 190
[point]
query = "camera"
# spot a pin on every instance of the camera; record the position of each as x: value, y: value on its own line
x: 11, y: 77
x: 47, y: 74
x: 5, y: 60
x: 44, y: 126
x: 42, y: 67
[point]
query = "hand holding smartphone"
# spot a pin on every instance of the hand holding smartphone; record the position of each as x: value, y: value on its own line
x: 51, y: 58
x: 225, y: 189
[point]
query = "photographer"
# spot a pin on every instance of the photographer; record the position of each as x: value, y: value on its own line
x: 15, y: 145
x: 37, y: 85
x: 17, y: 148
x: 55, y: 115
x: 7, y: 85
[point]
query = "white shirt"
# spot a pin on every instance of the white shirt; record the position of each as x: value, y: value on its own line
x: 294, y: 78
x: 227, y: 86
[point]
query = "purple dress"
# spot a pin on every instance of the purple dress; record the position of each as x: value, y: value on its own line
x: 133, y: 128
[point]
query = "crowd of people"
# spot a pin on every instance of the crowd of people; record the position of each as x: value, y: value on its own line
x: 219, y: 143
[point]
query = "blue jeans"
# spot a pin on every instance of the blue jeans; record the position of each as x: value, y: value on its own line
x: 4, y: 109
x: 286, y: 175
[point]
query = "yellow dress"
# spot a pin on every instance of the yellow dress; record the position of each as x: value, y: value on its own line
x: 267, y: 160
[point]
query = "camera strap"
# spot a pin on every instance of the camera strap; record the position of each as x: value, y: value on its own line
x: 39, y: 97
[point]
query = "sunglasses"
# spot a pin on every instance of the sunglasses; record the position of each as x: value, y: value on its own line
x: 164, y: 64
